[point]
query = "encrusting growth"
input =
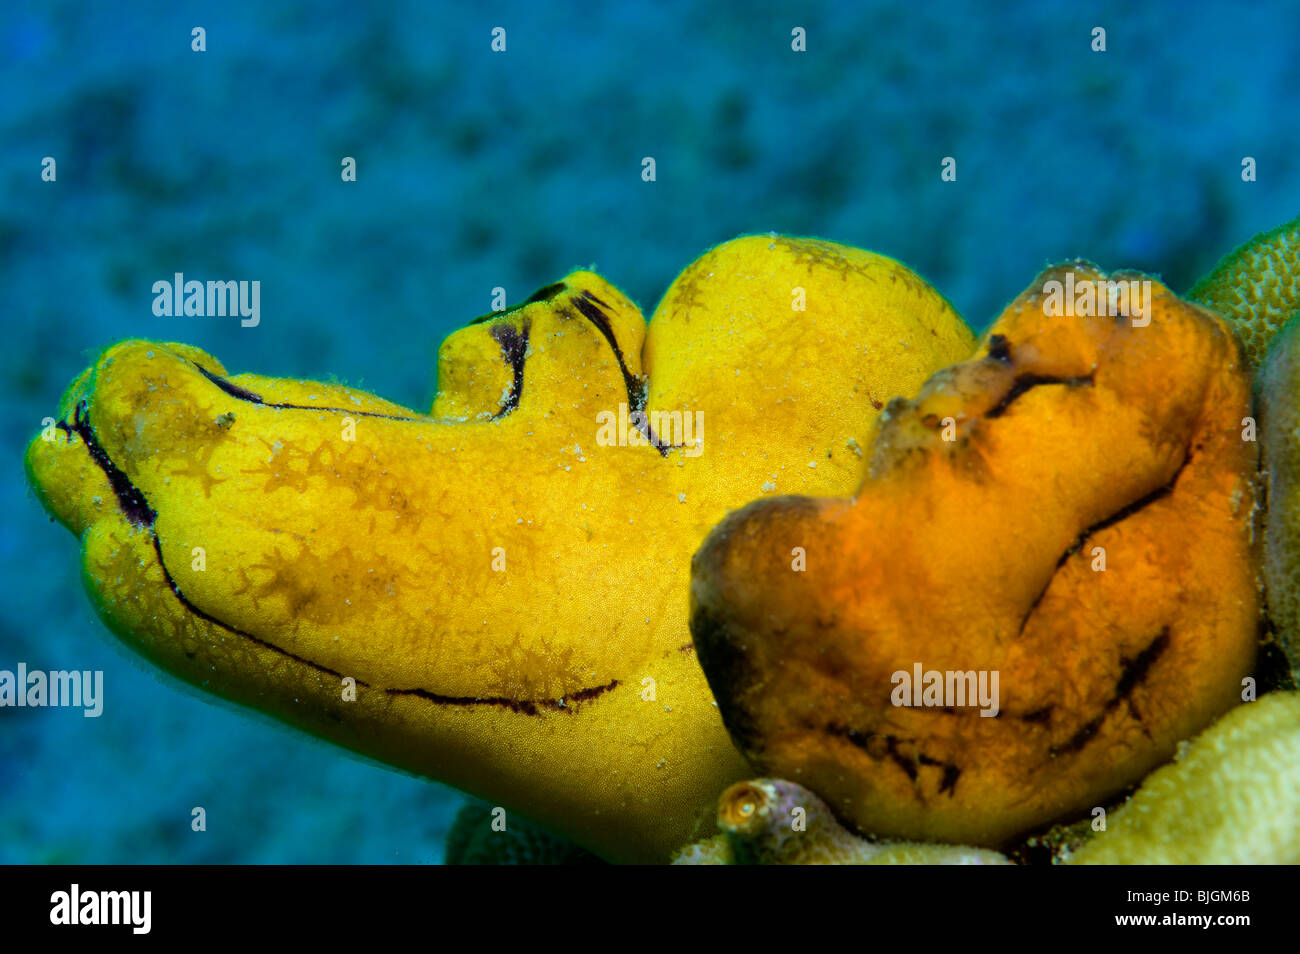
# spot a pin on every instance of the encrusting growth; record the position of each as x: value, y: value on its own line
x: 1278, y: 390
x: 1050, y: 520
x: 1232, y: 797
x: 494, y: 594
x: 1257, y: 287
x: 769, y: 821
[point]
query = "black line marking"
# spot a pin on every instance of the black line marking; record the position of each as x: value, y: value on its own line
x: 1135, y: 671
x: 1160, y: 493
x: 589, y: 305
x: 904, y: 763
x: 131, y: 501
x: 1027, y: 382
x: 530, y: 707
x: 1041, y: 715
x: 586, y: 304
x: 203, y: 614
x: 514, y: 349
x: 850, y: 734
x: 1081, y: 737
x: 999, y: 348
x: 1033, y: 607
x: 951, y: 774
x: 1123, y: 513
x: 545, y: 292
x: 1137, y: 668
x: 235, y: 391
x: 863, y: 741
x: 523, y: 706
x: 138, y: 511
x: 860, y: 739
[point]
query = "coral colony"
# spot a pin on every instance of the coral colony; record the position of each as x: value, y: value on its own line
x: 889, y: 533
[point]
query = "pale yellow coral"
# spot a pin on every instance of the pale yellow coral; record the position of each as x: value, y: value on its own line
x: 1233, y: 797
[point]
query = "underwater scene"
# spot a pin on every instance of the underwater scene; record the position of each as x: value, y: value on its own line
x: 650, y: 433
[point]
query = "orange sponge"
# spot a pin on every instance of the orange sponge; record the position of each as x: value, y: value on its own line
x: 1046, y: 580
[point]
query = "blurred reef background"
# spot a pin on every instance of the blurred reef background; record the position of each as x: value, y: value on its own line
x: 479, y: 169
